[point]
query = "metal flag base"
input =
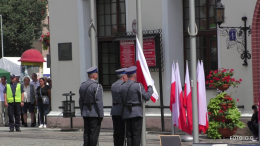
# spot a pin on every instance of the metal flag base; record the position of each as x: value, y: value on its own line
x: 69, y: 130
x: 186, y: 138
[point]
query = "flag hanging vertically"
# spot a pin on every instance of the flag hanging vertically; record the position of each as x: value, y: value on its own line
x: 174, y: 107
x: 188, y: 99
x: 178, y: 109
x: 143, y: 73
x: 202, y: 101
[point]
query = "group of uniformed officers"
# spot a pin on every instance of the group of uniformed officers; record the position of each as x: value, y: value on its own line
x: 127, y: 112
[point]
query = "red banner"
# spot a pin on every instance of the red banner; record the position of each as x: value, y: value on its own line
x: 127, y: 53
x: 149, y: 51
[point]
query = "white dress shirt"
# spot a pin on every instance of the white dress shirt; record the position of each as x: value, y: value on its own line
x: 35, y: 84
x: 27, y: 94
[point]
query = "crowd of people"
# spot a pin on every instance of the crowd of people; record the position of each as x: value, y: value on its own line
x: 17, y: 99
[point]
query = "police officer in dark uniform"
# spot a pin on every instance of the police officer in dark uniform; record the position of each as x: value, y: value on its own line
x: 132, y: 93
x: 13, y: 94
x: 117, y: 108
x: 91, y: 105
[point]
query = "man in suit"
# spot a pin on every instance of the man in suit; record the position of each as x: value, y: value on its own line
x: 132, y: 93
x: 91, y: 105
x: 117, y: 108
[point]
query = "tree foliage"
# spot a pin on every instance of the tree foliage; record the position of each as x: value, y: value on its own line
x: 22, y: 24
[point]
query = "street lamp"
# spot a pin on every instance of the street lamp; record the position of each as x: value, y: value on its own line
x: 2, y: 37
x: 219, y: 13
x: 237, y: 36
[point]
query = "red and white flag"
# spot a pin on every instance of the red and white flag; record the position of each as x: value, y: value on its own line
x: 178, y: 109
x: 143, y: 73
x: 202, y: 100
x: 188, y: 99
x: 174, y: 107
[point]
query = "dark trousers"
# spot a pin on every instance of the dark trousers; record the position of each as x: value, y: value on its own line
x: 91, y: 131
x: 253, y: 128
x: 22, y: 117
x: 35, y: 118
x: 43, y: 111
x: 133, y: 131
x: 14, y: 111
x: 119, y: 130
x: 39, y: 121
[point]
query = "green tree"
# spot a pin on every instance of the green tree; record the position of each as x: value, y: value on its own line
x: 22, y: 24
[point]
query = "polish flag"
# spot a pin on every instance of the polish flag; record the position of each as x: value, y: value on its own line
x: 187, y: 99
x: 178, y: 109
x: 202, y: 101
x: 143, y: 73
x: 174, y: 107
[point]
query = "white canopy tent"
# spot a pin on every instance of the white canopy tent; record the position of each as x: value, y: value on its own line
x: 8, y: 64
x: 12, y: 65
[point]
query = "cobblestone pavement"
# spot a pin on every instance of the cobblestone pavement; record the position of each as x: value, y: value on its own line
x: 54, y: 137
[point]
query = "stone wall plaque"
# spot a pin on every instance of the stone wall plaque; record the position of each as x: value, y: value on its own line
x: 65, y: 51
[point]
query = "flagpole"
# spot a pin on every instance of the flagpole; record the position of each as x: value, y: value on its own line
x: 173, y: 132
x: 92, y: 36
x: 193, y: 34
x: 92, y: 33
x: 139, y: 22
x: 2, y: 42
x: 140, y: 38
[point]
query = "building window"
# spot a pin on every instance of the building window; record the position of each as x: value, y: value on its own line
x: 108, y: 62
x: 206, y: 40
x: 206, y: 50
x: 204, y: 14
x: 111, y: 18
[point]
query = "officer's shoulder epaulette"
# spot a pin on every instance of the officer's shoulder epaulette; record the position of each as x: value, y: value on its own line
x: 136, y: 82
x: 83, y: 82
x: 98, y: 84
x: 139, y: 83
x: 94, y: 83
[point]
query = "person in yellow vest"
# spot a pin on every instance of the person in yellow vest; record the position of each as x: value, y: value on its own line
x: 13, y: 94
